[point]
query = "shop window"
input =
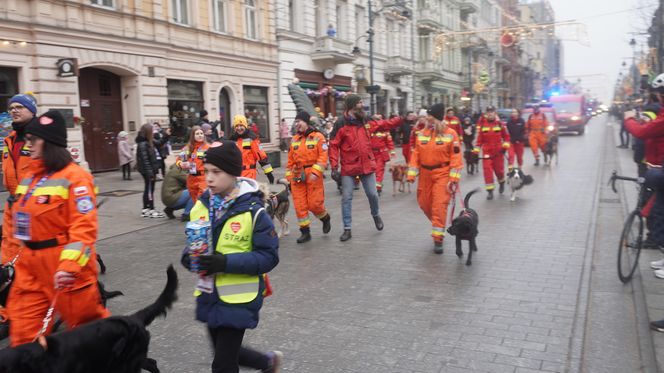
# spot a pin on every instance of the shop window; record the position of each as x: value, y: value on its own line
x: 256, y: 110
x: 185, y: 102
x: 8, y: 85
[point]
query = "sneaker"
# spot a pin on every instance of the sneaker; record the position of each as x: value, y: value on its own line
x: 145, y: 213
x: 276, y: 360
x: 657, y: 264
x: 156, y: 214
x: 659, y: 273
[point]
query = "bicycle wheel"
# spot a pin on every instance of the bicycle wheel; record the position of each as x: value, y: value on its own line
x: 629, y: 249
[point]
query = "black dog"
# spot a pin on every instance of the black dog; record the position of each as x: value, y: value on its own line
x: 464, y: 227
x: 472, y: 160
x: 118, y: 344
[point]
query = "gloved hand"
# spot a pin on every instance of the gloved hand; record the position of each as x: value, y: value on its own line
x: 452, y: 186
x: 336, y: 175
x: 64, y: 279
x: 270, y: 177
x: 210, y: 264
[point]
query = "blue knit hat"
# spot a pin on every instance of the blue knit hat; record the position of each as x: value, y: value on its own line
x: 26, y: 100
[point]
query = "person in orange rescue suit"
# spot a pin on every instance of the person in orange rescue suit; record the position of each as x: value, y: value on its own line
x: 191, y: 160
x: 55, y: 219
x: 453, y: 122
x: 493, y: 139
x: 383, y: 150
x: 307, y: 160
x: 252, y: 152
x: 15, y: 166
x: 536, y: 130
x: 438, y: 158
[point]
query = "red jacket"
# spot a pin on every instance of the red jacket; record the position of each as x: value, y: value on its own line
x: 454, y: 123
x: 653, y: 135
x: 492, y: 137
x: 352, y: 145
x: 417, y: 127
x: 382, y: 145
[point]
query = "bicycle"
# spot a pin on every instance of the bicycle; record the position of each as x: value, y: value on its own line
x: 631, y: 238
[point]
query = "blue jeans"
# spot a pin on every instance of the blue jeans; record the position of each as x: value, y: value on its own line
x: 184, y: 202
x: 347, y: 185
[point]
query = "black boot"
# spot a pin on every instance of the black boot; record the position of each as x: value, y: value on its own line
x: 379, y: 223
x: 305, y: 236
x: 537, y: 161
x: 501, y: 188
x: 438, y: 247
x: 169, y: 212
x: 346, y: 235
x: 184, y: 217
x: 326, y: 224
x: 489, y: 196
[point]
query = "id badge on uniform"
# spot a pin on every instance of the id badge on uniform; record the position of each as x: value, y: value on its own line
x: 22, y: 226
x: 205, y: 284
x: 192, y: 168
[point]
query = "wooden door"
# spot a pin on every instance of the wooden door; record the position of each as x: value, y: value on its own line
x: 101, y: 107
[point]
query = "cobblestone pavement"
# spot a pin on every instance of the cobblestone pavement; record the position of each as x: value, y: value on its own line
x: 384, y: 302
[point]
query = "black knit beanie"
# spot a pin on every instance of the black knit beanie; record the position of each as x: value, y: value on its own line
x: 437, y: 111
x: 303, y: 116
x: 51, y: 127
x: 226, y: 156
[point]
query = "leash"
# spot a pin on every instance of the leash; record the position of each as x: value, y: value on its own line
x: 45, y: 322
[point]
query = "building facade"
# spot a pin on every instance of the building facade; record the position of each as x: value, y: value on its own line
x: 139, y: 61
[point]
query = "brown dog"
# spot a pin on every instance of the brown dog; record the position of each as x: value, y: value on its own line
x: 399, y: 176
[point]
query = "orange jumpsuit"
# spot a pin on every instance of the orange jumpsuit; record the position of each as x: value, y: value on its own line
x: 438, y: 158
x: 536, y: 128
x: 252, y: 153
x: 492, y: 139
x: 307, y: 155
x: 196, y: 183
x: 55, y: 218
x: 383, y: 148
x: 454, y: 123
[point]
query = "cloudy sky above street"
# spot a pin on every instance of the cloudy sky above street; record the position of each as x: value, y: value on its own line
x: 609, y: 25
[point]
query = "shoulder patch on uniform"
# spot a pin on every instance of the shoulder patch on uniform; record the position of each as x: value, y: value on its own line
x: 81, y: 190
x: 325, y: 146
x: 84, y: 204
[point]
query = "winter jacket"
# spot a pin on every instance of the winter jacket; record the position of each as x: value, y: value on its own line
x: 262, y: 259
x: 517, y: 129
x: 351, y: 145
x: 492, y: 137
x: 146, y: 159
x: 173, y: 185
x: 469, y: 131
x: 161, y: 143
x: 124, y: 152
x: 404, y: 130
x: 653, y: 135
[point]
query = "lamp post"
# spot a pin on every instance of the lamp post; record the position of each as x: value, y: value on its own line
x: 632, y: 43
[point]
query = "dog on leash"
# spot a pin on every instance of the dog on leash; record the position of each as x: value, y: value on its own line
x: 551, y: 149
x: 517, y: 180
x: 464, y: 227
x: 277, y: 206
x: 117, y: 344
x: 472, y: 161
x: 399, y: 172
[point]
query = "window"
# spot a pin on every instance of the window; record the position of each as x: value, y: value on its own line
x: 360, y: 22
x: 341, y: 19
x: 250, y: 25
x: 185, y: 101
x: 180, y: 11
x: 108, y: 3
x: 219, y: 15
x: 256, y: 110
x: 8, y: 88
x: 291, y: 15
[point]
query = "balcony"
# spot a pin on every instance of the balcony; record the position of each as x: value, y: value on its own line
x: 398, y: 66
x: 332, y: 50
x: 467, y: 7
x: 428, y: 71
x: 429, y: 19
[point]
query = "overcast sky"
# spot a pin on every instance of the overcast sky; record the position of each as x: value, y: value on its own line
x: 608, y: 25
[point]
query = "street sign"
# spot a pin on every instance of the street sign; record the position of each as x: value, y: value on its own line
x: 373, y: 88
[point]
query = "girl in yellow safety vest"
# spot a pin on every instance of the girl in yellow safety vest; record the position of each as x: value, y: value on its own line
x: 233, y: 283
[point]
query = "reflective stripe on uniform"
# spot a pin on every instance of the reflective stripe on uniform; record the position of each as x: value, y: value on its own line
x: 267, y: 168
x: 73, y: 251
x: 304, y: 222
x: 436, y: 231
x: 412, y: 171
x: 289, y: 173
x: 455, y: 173
x: 490, y: 187
x: 318, y: 167
x: 228, y: 290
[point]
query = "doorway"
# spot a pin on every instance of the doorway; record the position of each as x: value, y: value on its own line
x: 101, y: 106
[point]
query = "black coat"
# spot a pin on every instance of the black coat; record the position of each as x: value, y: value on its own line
x: 160, y: 142
x: 146, y: 159
x: 516, y: 128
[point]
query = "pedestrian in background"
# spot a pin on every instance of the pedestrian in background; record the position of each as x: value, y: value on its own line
x: 56, y: 221
x: 516, y: 127
x: 191, y: 160
x: 148, y: 166
x: 284, y: 136
x: 161, y: 140
x: 125, y: 154
x: 469, y: 131
x: 174, y: 193
x: 246, y: 247
x: 404, y: 133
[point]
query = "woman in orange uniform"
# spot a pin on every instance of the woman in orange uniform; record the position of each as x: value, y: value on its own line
x: 307, y: 159
x: 191, y: 160
x: 55, y: 218
x: 252, y: 152
x: 437, y: 157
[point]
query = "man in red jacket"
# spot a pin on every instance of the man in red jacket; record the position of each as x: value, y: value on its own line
x: 351, y: 147
x: 493, y: 139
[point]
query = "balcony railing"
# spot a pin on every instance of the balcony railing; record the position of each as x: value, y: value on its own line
x: 429, y: 18
x: 332, y: 49
x: 398, y: 66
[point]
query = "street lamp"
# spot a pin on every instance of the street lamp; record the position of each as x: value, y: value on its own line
x: 372, y: 89
x: 632, y: 43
